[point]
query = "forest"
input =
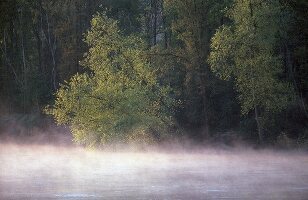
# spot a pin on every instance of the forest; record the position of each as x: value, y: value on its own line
x: 146, y: 71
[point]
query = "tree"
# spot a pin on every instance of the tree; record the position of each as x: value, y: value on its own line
x: 246, y: 51
x: 119, y: 97
x: 294, y: 51
x: 192, y: 24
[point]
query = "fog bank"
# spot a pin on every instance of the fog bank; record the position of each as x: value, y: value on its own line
x: 58, y: 172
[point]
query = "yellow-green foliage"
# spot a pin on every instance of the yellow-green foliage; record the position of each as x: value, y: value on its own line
x: 119, y: 95
x: 246, y: 51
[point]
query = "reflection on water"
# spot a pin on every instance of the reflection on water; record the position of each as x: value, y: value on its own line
x: 44, y: 172
x: 75, y: 196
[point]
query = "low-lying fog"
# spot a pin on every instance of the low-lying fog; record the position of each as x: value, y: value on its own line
x: 42, y: 172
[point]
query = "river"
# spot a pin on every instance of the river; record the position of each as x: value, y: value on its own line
x: 42, y: 172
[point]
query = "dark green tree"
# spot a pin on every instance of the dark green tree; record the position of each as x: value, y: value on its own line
x: 192, y: 24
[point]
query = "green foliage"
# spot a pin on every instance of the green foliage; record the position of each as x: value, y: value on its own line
x: 192, y: 24
x: 119, y: 95
x: 130, y: 84
x: 246, y: 51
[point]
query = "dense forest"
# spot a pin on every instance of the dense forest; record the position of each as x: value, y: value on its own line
x: 149, y: 70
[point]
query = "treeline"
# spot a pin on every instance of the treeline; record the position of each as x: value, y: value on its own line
x: 148, y: 69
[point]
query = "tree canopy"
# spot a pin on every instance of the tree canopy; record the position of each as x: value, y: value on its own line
x: 246, y: 50
x: 119, y: 96
x: 143, y: 70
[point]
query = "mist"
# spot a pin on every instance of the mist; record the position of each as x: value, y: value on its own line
x: 42, y: 162
x: 58, y: 172
x: 160, y: 99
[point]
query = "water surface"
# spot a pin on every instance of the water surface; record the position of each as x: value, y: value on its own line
x: 55, y: 173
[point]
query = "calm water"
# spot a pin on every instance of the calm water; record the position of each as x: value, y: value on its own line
x: 54, y: 173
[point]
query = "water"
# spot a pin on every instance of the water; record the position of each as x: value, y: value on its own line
x: 54, y: 173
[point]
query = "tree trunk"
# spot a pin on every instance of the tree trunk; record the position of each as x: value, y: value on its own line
x: 206, y: 131
x: 24, y: 68
x: 290, y: 70
x: 52, y: 47
x: 154, y: 16
x: 164, y: 23
x: 259, y: 127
